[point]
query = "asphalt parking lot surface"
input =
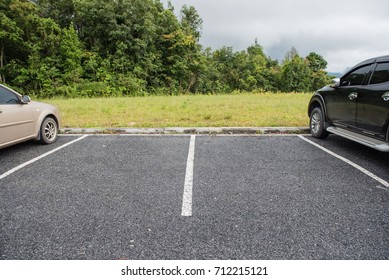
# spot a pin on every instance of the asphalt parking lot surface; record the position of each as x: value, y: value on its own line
x: 236, y: 197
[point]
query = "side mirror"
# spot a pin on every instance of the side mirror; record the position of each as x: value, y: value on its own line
x: 335, y: 83
x: 25, y: 99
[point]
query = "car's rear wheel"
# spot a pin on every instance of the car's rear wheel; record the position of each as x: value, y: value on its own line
x: 49, y: 131
x: 316, y: 124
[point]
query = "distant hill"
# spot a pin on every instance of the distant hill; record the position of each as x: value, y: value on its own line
x: 335, y: 74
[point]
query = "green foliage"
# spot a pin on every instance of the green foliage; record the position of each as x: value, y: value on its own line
x: 93, y: 48
x: 295, y: 75
x: 316, y: 62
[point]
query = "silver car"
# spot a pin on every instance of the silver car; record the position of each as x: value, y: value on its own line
x: 22, y: 119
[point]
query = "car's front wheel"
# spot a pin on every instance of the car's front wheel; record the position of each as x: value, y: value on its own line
x: 316, y: 124
x: 49, y: 131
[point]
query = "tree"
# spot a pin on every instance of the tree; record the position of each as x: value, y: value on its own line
x: 295, y: 75
x: 94, y: 21
x: 316, y: 62
x: 257, y: 64
x: 126, y: 32
x: 47, y: 56
x: 127, y: 47
x: 61, y: 11
x: 191, y: 21
x: 302, y: 75
x: 70, y: 53
x: 180, y: 52
x: 10, y: 38
x: 224, y: 61
x: 210, y: 79
x: 290, y: 55
x: 14, y: 35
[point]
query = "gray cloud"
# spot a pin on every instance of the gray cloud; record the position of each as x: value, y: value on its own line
x: 343, y: 32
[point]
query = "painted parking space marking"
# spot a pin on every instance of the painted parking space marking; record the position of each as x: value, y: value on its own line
x: 360, y: 168
x: 188, y: 187
x: 128, y: 192
x: 13, y: 170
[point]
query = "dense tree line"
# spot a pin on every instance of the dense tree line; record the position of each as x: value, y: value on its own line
x: 133, y: 47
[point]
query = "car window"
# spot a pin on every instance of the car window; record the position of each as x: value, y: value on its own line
x: 356, y: 77
x: 7, y: 97
x: 381, y: 74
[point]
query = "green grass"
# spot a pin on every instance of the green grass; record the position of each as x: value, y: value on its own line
x: 243, y: 110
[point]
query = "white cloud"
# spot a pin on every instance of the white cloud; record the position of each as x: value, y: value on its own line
x: 343, y: 32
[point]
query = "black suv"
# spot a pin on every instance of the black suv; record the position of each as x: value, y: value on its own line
x: 356, y: 106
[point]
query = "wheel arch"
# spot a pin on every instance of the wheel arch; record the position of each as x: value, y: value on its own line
x: 41, y: 120
x: 315, y: 102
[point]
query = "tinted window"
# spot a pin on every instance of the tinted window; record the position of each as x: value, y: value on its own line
x: 356, y: 77
x: 7, y: 97
x: 381, y: 74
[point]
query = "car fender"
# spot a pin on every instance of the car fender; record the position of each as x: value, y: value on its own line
x: 317, y: 101
x: 42, y: 112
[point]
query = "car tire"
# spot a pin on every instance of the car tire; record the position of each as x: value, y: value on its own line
x: 316, y: 124
x: 49, y: 131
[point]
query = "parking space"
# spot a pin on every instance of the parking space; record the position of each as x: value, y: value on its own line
x: 19, y: 154
x: 282, y: 198
x: 252, y: 197
x: 370, y: 159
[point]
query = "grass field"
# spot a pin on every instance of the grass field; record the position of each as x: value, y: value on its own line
x: 244, y: 110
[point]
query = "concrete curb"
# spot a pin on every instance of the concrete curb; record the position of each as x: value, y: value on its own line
x: 189, y: 130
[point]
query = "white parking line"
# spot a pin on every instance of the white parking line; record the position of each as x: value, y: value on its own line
x: 188, y: 188
x: 360, y: 168
x: 13, y: 170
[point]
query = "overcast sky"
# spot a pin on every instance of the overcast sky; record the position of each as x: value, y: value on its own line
x: 344, y: 32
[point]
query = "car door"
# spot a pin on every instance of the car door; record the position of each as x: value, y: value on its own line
x: 373, y: 102
x: 342, y: 102
x: 16, y: 119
